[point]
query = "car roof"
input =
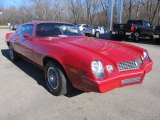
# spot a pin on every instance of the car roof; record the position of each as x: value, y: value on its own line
x: 38, y: 22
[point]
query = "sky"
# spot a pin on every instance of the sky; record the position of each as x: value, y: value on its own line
x: 8, y: 3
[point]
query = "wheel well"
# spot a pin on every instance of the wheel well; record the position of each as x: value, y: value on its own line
x: 47, y: 59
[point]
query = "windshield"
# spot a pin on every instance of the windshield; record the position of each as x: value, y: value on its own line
x: 56, y: 29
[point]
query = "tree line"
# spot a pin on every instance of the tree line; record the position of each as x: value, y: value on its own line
x: 78, y: 11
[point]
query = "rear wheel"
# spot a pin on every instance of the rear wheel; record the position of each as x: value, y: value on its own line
x: 136, y: 36
x: 55, y: 79
x: 12, y: 54
x: 151, y: 37
x: 119, y: 37
x: 97, y: 34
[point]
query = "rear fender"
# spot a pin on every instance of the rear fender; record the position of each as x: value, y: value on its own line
x: 7, y: 35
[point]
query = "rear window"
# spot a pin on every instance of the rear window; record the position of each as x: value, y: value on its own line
x: 137, y: 22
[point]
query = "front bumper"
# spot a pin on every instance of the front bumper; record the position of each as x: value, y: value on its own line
x: 120, y: 80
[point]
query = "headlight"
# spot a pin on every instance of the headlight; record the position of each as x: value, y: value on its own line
x: 98, y: 69
x: 145, y: 55
x: 110, y: 68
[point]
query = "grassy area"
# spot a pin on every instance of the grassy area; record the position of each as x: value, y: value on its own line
x: 4, y: 27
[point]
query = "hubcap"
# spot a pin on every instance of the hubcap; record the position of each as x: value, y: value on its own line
x: 137, y: 36
x: 97, y: 35
x: 52, y: 76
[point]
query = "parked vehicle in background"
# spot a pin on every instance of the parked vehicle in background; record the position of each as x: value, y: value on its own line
x: 133, y: 29
x: 14, y: 26
x: 99, y: 30
x: 86, y: 29
x: 68, y: 58
x: 89, y: 30
x: 157, y: 33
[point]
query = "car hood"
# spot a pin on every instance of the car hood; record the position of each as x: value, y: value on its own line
x: 111, y: 50
x: 100, y: 49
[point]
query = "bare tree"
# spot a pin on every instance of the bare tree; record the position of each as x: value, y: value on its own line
x: 150, y: 8
x: 78, y: 11
x: 91, y: 7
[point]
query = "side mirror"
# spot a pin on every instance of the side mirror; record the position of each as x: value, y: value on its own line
x: 26, y: 36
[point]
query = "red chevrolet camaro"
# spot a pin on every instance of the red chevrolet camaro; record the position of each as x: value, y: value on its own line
x: 72, y: 59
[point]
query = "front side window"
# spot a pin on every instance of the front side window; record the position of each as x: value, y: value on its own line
x: 147, y: 24
x: 26, y: 29
x: 56, y: 29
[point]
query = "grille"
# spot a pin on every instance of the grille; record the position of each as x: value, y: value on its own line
x: 130, y: 65
x: 131, y: 80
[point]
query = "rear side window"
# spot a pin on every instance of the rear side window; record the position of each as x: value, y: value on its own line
x: 135, y: 22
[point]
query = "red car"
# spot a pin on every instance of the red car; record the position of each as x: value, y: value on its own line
x: 71, y: 59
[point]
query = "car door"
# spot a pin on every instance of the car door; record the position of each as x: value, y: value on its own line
x: 15, y: 40
x: 85, y: 29
x: 25, y: 44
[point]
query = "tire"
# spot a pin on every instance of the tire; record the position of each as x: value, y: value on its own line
x: 113, y: 36
x: 12, y: 54
x: 136, y: 37
x: 119, y: 37
x: 97, y: 34
x: 157, y: 41
x: 56, y: 80
x: 151, y: 37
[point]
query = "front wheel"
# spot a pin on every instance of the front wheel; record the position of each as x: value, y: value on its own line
x: 55, y: 79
